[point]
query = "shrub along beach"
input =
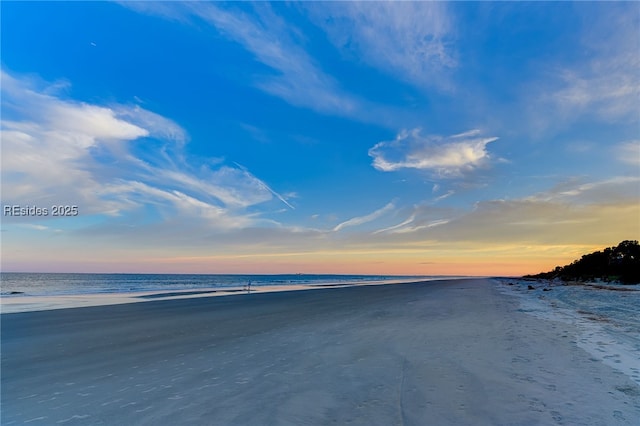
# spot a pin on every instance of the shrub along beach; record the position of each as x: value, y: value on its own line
x: 613, y: 264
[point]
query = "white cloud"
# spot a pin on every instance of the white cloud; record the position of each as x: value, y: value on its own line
x: 412, y: 229
x: 34, y: 226
x: 450, y: 156
x: 176, y: 204
x: 611, y: 96
x: 573, y: 212
x: 164, y: 9
x: 629, y: 152
x: 421, y: 217
x: 66, y: 117
x: 263, y: 185
x: 226, y: 186
x: 443, y: 196
x: 365, y: 219
x: 605, y: 84
x: 609, y: 191
x: 274, y: 42
x: 47, y: 142
x: 61, y: 151
x: 157, y: 125
x: 296, y: 77
x: 410, y: 40
x: 399, y: 226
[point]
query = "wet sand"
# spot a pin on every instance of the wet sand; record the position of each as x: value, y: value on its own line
x: 441, y: 353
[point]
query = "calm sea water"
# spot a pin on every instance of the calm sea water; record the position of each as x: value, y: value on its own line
x: 17, y: 284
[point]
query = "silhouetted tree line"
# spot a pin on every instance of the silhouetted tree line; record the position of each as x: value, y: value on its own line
x: 620, y: 263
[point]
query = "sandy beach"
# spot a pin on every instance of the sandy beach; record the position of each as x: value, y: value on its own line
x: 457, y: 352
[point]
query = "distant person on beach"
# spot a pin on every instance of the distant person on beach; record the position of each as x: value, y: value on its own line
x: 249, y: 287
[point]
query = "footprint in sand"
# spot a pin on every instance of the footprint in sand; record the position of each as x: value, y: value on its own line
x: 555, y: 415
x: 618, y: 415
x: 628, y: 390
x: 536, y: 405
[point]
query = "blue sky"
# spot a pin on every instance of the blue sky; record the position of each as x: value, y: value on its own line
x: 416, y: 138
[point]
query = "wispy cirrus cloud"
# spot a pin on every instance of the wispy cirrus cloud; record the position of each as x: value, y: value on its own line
x: 114, y: 160
x: 397, y: 227
x: 294, y: 75
x: 409, y: 40
x: 360, y: 220
x: 263, y: 185
x: 580, y: 192
x: 272, y: 41
x: 411, y: 225
x: 577, y: 213
x: 604, y: 83
x: 629, y: 152
x: 298, y: 79
x: 450, y: 156
x: 608, y: 92
x: 34, y: 226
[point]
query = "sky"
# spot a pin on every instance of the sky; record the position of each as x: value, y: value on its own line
x: 317, y: 137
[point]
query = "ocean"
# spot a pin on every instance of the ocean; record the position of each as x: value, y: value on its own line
x: 15, y: 284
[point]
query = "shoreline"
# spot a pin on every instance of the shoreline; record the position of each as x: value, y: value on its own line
x: 445, y: 352
x: 33, y: 303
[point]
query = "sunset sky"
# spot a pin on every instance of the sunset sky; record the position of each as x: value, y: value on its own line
x: 325, y: 137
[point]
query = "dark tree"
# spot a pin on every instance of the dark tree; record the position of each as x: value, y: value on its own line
x: 620, y: 263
